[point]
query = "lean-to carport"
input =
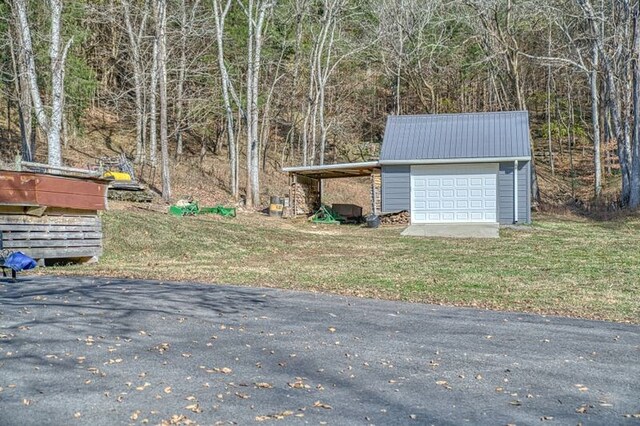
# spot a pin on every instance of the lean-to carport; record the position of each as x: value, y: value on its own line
x: 313, y: 176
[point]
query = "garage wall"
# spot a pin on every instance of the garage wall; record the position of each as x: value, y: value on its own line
x: 505, y: 193
x: 396, y: 188
x: 396, y: 191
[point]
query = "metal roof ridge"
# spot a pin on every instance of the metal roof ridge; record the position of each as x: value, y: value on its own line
x: 450, y: 114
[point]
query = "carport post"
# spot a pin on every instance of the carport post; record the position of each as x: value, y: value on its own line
x: 515, y: 191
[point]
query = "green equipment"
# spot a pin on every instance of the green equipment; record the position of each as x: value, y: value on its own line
x: 220, y: 210
x: 191, y: 209
x: 326, y: 215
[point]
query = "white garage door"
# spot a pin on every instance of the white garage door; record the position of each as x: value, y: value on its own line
x: 454, y: 193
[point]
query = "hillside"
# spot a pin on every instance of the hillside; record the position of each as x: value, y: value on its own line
x: 205, y: 178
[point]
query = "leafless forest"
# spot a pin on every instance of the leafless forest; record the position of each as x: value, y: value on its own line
x: 267, y: 83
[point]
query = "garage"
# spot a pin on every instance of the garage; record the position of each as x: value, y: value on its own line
x: 439, y: 169
x: 458, y: 168
x: 454, y: 193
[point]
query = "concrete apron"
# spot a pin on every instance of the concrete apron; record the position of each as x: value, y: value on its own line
x: 453, y: 230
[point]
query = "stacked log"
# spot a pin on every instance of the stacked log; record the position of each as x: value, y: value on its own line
x: 398, y: 218
x: 304, y: 198
x: 376, y: 193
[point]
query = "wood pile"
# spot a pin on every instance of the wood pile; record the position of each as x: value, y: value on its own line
x: 398, y: 218
x: 304, y: 198
x: 376, y: 193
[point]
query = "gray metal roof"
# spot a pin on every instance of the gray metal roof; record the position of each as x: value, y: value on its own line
x: 456, y: 136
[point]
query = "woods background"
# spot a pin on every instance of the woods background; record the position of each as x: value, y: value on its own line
x: 265, y: 83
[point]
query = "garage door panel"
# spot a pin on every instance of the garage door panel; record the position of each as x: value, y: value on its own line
x: 454, y: 193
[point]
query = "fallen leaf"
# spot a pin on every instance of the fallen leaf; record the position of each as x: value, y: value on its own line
x: 194, y: 407
x: 444, y: 384
x: 162, y: 347
x: 242, y: 395
x: 26, y: 401
x: 276, y: 416
x: 322, y: 405
x: 332, y: 329
x: 167, y: 389
x: 299, y: 384
x: 264, y: 385
x: 77, y: 414
x: 135, y: 415
x: 223, y: 370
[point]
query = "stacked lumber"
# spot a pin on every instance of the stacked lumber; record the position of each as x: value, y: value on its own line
x: 398, y: 218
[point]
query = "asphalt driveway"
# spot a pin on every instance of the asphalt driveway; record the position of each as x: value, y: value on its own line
x: 111, y: 351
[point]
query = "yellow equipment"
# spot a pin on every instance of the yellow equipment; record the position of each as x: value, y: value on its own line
x: 122, y: 176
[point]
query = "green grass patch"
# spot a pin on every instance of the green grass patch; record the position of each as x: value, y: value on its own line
x: 564, y: 266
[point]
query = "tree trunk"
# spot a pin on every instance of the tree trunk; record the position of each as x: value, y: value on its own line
x: 50, y: 125
x: 25, y: 111
x: 135, y: 41
x: 162, y: 85
x: 250, y: 116
x: 153, y: 114
x: 595, y: 120
x: 634, y: 184
x: 220, y: 16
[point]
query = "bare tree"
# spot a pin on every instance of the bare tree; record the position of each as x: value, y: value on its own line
x: 51, y: 124
x: 186, y: 26
x: 25, y: 109
x: 135, y: 47
x: 161, y: 37
x: 153, y: 93
x: 256, y: 12
x: 220, y: 14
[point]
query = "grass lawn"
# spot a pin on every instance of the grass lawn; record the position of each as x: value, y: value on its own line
x: 565, y: 266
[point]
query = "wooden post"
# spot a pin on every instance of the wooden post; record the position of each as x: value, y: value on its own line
x: 294, y: 198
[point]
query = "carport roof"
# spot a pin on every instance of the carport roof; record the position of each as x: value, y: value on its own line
x: 331, y: 171
x: 442, y: 137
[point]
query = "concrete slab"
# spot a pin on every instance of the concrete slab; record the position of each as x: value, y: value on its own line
x: 453, y: 230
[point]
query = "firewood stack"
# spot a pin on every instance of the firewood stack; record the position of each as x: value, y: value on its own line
x: 376, y: 193
x: 398, y: 218
x: 304, y: 198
